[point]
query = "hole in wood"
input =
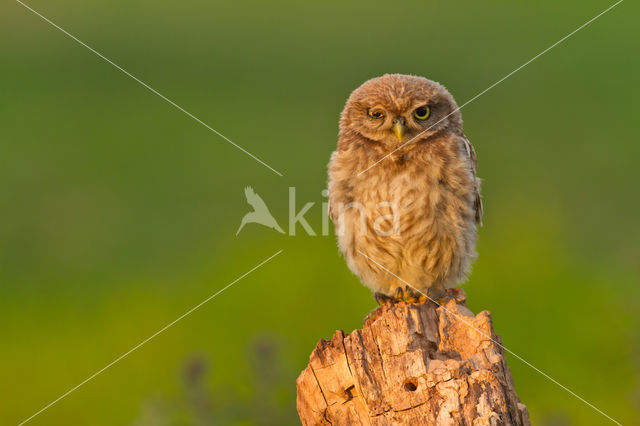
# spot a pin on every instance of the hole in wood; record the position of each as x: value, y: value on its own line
x: 349, y: 393
x: 410, y: 385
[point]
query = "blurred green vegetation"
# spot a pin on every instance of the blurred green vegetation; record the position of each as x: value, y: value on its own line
x: 119, y: 212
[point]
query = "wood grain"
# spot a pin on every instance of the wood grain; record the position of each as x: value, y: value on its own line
x: 412, y: 364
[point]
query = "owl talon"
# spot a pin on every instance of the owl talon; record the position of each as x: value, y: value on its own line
x: 413, y: 295
x: 382, y: 299
x: 399, y: 295
x: 407, y: 294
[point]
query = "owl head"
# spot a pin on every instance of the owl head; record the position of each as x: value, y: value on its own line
x: 396, y: 108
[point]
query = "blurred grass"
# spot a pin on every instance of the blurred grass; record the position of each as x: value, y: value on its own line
x: 119, y: 212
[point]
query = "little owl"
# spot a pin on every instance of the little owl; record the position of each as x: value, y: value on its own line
x: 403, y: 191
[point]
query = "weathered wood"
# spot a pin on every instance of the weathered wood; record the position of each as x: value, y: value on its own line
x: 412, y: 364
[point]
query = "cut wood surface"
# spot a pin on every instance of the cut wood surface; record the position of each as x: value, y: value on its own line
x: 412, y: 364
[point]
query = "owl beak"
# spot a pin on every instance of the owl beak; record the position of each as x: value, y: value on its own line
x: 398, y: 130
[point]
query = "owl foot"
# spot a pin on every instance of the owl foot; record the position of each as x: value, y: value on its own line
x: 404, y: 294
x: 422, y: 298
x: 381, y: 298
x: 408, y: 295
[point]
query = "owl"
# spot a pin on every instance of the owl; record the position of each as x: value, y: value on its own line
x: 403, y: 191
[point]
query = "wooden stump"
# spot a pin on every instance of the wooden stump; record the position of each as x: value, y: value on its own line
x: 412, y: 364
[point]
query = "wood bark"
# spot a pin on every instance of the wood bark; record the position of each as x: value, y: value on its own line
x: 412, y: 364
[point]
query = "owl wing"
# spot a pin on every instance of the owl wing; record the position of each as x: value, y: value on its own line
x: 477, y: 203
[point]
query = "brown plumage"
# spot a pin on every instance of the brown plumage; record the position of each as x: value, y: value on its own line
x: 416, y: 212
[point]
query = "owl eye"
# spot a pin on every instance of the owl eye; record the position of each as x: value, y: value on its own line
x: 422, y: 113
x: 375, y: 114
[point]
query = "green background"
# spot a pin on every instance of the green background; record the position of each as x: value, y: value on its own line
x: 119, y: 212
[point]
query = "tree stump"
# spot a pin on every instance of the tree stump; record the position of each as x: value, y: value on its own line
x: 412, y: 364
